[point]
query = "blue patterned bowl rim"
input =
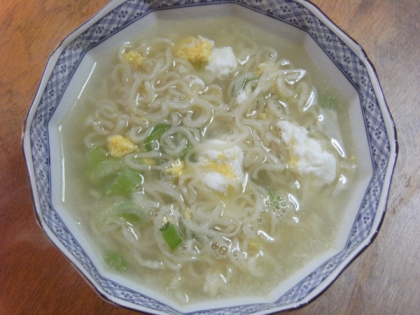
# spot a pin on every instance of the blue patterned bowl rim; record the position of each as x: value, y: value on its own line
x: 343, y: 51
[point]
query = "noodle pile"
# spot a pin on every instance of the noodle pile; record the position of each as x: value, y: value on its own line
x: 225, y: 234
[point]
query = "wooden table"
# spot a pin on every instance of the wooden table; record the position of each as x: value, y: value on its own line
x: 35, y: 278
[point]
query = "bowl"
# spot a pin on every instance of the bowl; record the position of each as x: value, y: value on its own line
x: 340, y: 58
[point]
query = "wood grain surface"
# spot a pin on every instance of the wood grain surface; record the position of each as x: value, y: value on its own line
x: 35, y: 278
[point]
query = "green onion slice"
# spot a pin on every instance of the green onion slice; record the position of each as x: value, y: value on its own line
x: 155, y: 135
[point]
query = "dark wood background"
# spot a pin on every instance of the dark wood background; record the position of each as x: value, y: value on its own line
x: 35, y: 278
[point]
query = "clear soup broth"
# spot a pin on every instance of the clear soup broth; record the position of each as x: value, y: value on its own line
x: 208, y: 160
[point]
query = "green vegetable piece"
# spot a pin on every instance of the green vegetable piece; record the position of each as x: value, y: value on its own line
x: 125, y: 182
x: 199, y: 66
x: 116, y: 262
x: 241, y: 83
x: 185, y: 151
x: 130, y: 212
x: 131, y: 218
x: 275, y: 199
x: 328, y: 101
x: 100, y: 172
x: 171, y: 236
x: 155, y: 135
x: 246, y: 81
x: 95, y: 156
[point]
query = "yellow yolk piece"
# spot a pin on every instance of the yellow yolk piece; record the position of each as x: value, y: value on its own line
x: 262, y: 116
x: 194, y: 49
x: 187, y: 213
x: 133, y: 57
x: 253, y: 246
x: 119, y: 146
x: 223, y: 168
x: 149, y: 161
x: 176, y: 168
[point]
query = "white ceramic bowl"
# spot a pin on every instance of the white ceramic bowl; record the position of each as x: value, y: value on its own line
x: 343, y: 61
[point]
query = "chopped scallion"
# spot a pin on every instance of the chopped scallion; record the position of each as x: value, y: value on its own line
x: 102, y: 170
x: 328, y: 101
x: 275, y: 199
x: 125, y: 182
x: 171, y: 236
x: 155, y: 135
x: 116, y: 262
x: 246, y: 81
x: 130, y: 211
x: 95, y: 156
x: 131, y: 218
x: 185, y: 151
x: 241, y: 83
x: 199, y: 66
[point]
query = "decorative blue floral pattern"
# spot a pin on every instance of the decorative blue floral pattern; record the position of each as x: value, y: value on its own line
x: 286, y: 11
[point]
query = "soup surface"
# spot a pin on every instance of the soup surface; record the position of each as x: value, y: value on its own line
x: 210, y: 159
